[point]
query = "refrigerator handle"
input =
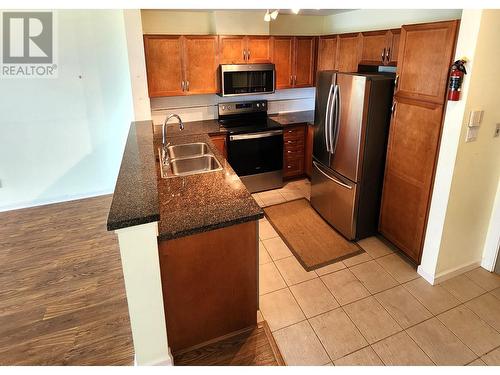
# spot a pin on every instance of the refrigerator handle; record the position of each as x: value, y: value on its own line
x: 327, y: 138
x: 330, y: 177
x: 338, y: 105
x: 333, y: 108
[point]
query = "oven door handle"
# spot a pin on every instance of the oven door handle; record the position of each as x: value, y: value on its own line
x: 239, y: 137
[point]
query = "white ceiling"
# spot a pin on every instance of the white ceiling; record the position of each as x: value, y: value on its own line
x: 309, y: 12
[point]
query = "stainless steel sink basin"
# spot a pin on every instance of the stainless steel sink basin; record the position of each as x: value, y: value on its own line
x: 187, y: 159
x: 188, y: 150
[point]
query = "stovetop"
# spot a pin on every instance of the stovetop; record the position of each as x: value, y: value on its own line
x: 241, y: 127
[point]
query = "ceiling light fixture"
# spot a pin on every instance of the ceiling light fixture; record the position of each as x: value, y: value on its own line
x: 296, y: 11
x: 267, y: 16
x: 274, y: 14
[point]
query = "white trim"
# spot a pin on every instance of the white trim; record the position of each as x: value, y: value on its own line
x: 492, y: 241
x: 65, y: 198
x: 443, y: 276
x: 427, y: 276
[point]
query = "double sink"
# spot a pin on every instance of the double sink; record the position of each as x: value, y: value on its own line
x: 187, y: 159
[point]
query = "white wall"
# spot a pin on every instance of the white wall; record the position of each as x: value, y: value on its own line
x: 374, y: 19
x: 63, y: 138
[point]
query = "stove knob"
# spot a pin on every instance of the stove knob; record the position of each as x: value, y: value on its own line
x: 263, y: 104
x: 258, y: 105
x: 228, y: 107
x: 223, y: 107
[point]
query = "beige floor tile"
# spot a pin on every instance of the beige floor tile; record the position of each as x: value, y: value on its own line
x: 487, y: 307
x: 330, y: 268
x: 463, y: 288
x: 337, y: 333
x: 276, y: 248
x: 486, y: 280
x: 401, y: 350
x: 280, y: 309
x: 345, y: 287
x: 477, y: 362
x: 269, y: 279
x: 440, y: 344
x: 263, y: 254
x: 291, y: 194
x: 495, y: 292
x: 293, y: 272
x: 371, y: 319
x: 434, y: 297
x: 271, y: 197
x: 258, y: 200
x: 357, y: 259
x: 403, y: 307
x: 373, y: 276
x: 300, y: 346
x: 363, y: 357
x: 266, y: 230
x: 472, y: 330
x: 328, y: 364
x: 492, y: 358
x: 398, y: 267
x: 313, y: 297
x: 375, y: 247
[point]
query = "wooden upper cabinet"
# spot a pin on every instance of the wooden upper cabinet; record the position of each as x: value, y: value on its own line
x: 305, y: 48
x: 374, y: 47
x: 164, y: 65
x: 282, y: 59
x: 414, y: 136
x: 259, y: 49
x: 232, y: 49
x: 424, y: 59
x: 201, y: 64
x: 327, y: 51
x: 393, y: 38
x: 348, y: 52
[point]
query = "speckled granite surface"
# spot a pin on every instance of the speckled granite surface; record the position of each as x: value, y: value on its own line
x: 292, y: 118
x: 135, y: 199
x: 205, y: 201
x: 182, y: 205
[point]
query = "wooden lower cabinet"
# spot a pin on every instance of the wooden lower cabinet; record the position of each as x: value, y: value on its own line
x: 210, y: 284
x: 293, y: 151
x: 309, y: 150
x: 219, y: 142
x: 411, y: 157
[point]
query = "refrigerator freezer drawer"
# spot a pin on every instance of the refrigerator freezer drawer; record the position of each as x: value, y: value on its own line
x: 334, y: 198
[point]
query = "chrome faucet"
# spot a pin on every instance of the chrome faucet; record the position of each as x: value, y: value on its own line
x: 164, y: 133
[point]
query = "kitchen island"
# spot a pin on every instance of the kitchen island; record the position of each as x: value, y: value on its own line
x: 202, y: 262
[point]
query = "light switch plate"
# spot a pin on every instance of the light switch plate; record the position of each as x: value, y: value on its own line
x: 471, y: 134
x: 475, y: 118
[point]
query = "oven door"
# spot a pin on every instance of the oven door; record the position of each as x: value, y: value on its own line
x: 247, y: 79
x: 254, y: 153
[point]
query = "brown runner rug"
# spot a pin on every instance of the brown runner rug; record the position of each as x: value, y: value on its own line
x: 314, y: 243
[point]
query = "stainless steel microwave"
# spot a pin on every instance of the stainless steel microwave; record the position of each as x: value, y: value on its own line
x: 246, y: 79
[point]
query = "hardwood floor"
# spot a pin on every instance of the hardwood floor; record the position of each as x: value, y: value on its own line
x: 252, y: 347
x: 62, y: 296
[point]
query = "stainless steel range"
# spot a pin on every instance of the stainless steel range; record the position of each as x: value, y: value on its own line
x: 254, y: 144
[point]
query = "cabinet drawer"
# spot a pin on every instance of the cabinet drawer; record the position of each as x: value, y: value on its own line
x: 293, y: 167
x: 294, y: 152
x: 293, y: 133
x: 294, y: 142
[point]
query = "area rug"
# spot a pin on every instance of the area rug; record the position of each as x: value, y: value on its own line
x: 311, y: 239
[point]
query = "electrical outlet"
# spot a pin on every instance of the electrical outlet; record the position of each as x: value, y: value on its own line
x: 497, y: 131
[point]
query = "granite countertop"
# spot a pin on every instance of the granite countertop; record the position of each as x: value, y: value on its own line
x: 292, y: 118
x: 182, y: 205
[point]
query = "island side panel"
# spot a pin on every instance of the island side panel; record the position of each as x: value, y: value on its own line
x: 210, y: 284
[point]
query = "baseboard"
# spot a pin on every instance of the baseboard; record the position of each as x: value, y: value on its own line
x: 43, y: 202
x: 443, y: 276
x: 168, y: 361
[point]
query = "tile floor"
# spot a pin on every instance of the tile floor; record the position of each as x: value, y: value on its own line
x: 373, y: 309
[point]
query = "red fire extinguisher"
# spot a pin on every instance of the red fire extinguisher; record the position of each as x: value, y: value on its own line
x: 456, y: 77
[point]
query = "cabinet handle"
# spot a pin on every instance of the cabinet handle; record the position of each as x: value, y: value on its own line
x: 289, y: 152
x: 294, y: 80
x: 248, y: 55
x: 393, y: 108
x: 290, y: 131
x: 289, y: 166
x: 396, y: 81
x: 383, y: 55
x: 182, y: 86
x: 187, y: 85
x: 388, y: 54
x: 291, y: 80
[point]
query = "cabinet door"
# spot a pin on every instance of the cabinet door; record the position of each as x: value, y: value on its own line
x: 425, y: 56
x: 201, y: 64
x: 411, y: 158
x: 259, y: 49
x: 219, y: 142
x: 374, y: 47
x: 282, y: 59
x: 164, y: 65
x: 394, y: 37
x: 348, y: 53
x: 232, y: 49
x: 327, y: 51
x: 304, y: 61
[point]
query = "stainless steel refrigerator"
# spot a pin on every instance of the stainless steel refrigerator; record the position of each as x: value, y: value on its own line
x: 351, y: 124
